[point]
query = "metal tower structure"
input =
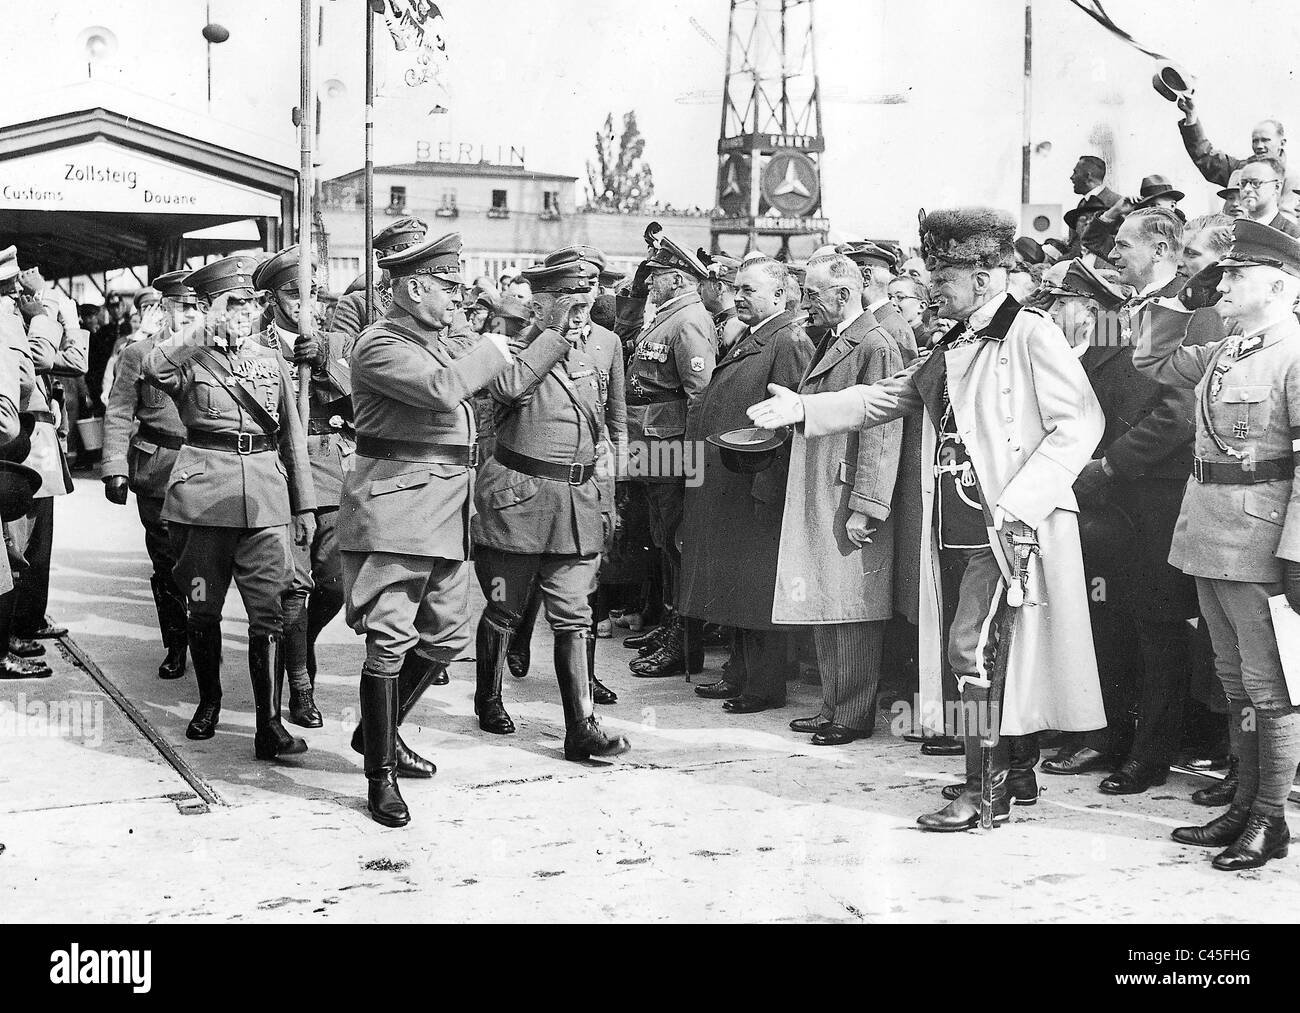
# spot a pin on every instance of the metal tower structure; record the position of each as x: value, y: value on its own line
x: 771, y: 143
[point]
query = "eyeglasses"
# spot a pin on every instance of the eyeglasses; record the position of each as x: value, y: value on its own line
x: 817, y: 293
x: 1255, y: 184
x: 898, y: 297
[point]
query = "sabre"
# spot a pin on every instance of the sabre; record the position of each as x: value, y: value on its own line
x: 1024, y: 549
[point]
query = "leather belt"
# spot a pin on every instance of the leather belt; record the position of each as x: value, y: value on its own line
x: 417, y: 453
x: 46, y: 417
x: 233, y: 443
x: 1243, y: 473
x: 319, y: 427
x: 639, y: 398
x: 573, y: 474
x: 151, y: 435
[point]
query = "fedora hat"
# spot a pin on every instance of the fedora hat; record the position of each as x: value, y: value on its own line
x: 18, y: 487
x: 1154, y: 187
x: 748, y: 451
x: 1172, y: 82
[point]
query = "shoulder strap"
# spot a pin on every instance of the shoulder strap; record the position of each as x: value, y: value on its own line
x: 583, y: 409
x: 237, y: 390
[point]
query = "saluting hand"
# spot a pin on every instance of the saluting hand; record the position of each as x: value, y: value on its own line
x: 557, y: 318
x: 783, y: 408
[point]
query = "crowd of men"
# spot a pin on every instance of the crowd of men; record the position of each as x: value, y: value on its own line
x: 1042, y: 492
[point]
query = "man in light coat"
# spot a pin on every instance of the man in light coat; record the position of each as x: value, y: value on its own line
x: 835, y: 567
x: 1012, y: 422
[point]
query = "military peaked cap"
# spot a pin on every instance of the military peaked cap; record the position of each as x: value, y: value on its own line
x: 400, y: 235
x: 229, y: 274
x: 439, y: 256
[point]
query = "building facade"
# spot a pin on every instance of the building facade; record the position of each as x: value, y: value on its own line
x: 510, y: 216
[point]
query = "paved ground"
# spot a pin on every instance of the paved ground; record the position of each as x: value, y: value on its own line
x: 711, y: 817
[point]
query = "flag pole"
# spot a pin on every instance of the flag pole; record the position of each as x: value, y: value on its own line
x: 370, y: 160
x: 306, y: 318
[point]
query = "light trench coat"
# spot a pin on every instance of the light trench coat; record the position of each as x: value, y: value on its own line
x: 1030, y: 422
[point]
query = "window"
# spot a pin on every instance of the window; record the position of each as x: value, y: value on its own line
x: 397, y: 199
x: 499, y: 208
x: 550, y: 204
x: 447, y: 209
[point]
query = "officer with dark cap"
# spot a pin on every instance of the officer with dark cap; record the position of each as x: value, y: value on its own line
x: 669, y: 369
x: 543, y: 509
x: 718, y: 293
x: 879, y: 265
x: 403, y: 525
x: 317, y: 593
x: 519, y: 656
x: 239, y: 490
x: 349, y: 316
x: 1238, y: 532
x: 142, y: 434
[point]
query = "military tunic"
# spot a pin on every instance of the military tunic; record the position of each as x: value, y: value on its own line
x: 404, y: 514
x: 330, y: 446
x: 1234, y: 536
x: 561, y: 404
x: 231, y: 509
x: 144, y: 456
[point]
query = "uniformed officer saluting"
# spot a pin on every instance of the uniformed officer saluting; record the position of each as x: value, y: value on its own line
x: 239, y: 480
x: 1239, y: 530
x: 317, y: 592
x: 543, y: 513
x: 142, y: 460
x: 403, y: 526
x: 606, y: 353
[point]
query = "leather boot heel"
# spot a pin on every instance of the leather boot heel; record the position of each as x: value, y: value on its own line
x: 1263, y: 839
x: 1218, y: 833
x: 379, y: 709
x: 205, y: 649
x: 266, y: 671
x: 492, y: 645
x: 583, y: 737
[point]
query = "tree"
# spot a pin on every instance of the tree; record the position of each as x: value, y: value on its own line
x: 619, y: 180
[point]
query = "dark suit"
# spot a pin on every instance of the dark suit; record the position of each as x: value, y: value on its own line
x: 1139, y: 603
x: 733, y: 522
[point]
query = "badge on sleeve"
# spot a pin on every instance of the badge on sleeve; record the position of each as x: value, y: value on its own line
x: 697, y: 364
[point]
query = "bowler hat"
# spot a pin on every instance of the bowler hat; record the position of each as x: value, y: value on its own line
x: 748, y: 451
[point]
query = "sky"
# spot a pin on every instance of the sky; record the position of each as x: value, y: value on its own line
x: 543, y: 76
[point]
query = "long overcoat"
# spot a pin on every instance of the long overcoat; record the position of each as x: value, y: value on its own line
x: 1030, y: 422
x: 821, y: 576
x: 732, y: 524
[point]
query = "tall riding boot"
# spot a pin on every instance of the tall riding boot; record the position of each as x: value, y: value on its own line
x: 492, y: 644
x: 520, y: 654
x: 1022, y: 782
x: 379, y: 709
x: 418, y: 674
x: 205, y: 649
x: 302, y: 703
x: 322, y: 606
x: 963, y: 812
x: 266, y: 670
x: 600, y: 693
x: 171, y: 623
x: 693, y: 646
x: 583, y: 738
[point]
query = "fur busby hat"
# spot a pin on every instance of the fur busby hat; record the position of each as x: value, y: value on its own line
x: 968, y: 237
